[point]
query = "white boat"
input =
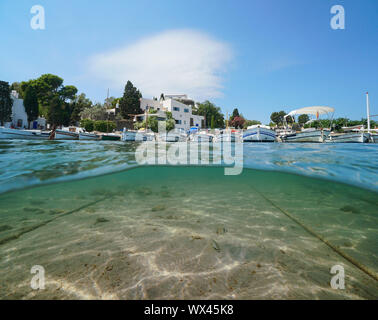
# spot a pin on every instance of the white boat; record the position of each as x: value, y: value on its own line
x: 201, y: 136
x: 228, y: 137
x: 349, y: 137
x: 88, y: 136
x: 133, y: 135
x: 259, y: 133
x: 280, y: 132
x: 309, y: 134
x: 65, y: 135
x: 354, y: 134
x: 374, y: 137
x: 173, y: 136
x: 128, y: 135
x: 8, y: 133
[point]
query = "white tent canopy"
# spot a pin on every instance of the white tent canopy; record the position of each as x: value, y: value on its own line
x: 316, y: 110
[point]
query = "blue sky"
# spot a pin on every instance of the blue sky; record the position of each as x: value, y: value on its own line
x: 259, y: 56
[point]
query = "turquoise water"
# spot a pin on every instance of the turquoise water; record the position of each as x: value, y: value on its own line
x: 26, y: 163
x: 104, y: 228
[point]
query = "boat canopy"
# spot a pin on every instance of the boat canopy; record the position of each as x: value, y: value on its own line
x: 316, y: 110
x: 258, y: 126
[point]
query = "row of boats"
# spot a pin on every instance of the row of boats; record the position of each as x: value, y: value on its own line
x: 255, y: 133
x: 58, y: 134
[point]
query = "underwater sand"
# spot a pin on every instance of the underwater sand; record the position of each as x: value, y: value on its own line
x: 188, y: 233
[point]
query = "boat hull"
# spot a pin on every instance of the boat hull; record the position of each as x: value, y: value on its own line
x: 136, y: 136
x: 316, y: 136
x: 128, y: 136
x: 172, y: 138
x: 8, y: 133
x: 88, y: 136
x: 353, y: 137
x: 110, y: 137
x: 259, y: 135
x: 202, y: 138
x: 227, y: 138
x: 374, y: 138
x: 65, y: 135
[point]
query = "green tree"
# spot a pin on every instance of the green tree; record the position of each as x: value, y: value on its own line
x: 248, y: 123
x: 6, y: 102
x: 303, y: 118
x: 208, y: 109
x: 31, y: 103
x: 351, y: 123
x: 47, y: 87
x: 235, y: 113
x: 104, y: 126
x: 278, y: 118
x: 78, y: 105
x: 364, y: 122
x: 212, y: 122
x: 87, y: 124
x: 68, y: 92
x: 56, y: 111
x: 129, y: 103
x: 153, y: 124
x: 96, y: 112
x: 170, y: 124
x: 169, y: 115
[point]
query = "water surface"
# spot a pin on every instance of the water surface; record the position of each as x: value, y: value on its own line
x: 165, y: 232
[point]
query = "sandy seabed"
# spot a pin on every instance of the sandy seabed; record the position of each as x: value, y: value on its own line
x: 187, y: 233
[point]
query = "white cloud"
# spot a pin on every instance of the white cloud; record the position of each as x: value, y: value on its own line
x: 175, y: 61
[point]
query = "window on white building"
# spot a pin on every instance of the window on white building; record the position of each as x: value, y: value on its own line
x: 186, y: 110
x: 176, y: 109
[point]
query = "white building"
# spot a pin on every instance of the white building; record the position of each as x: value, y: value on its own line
x: 19, y: 116
x: 181, y: 113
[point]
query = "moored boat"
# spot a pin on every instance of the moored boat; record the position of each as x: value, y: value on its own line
x: 309, y: 134
x: 201, y: 136
x: 9, y: 133
x: 88, y: 136
x: 228, y: 137
x: 65, y: 135
x: 259, y: 133
x: 350, y: 137
x: 111, y: 137
x: 128, y: 135
x: 173, y: 136
x: 133, y: 135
